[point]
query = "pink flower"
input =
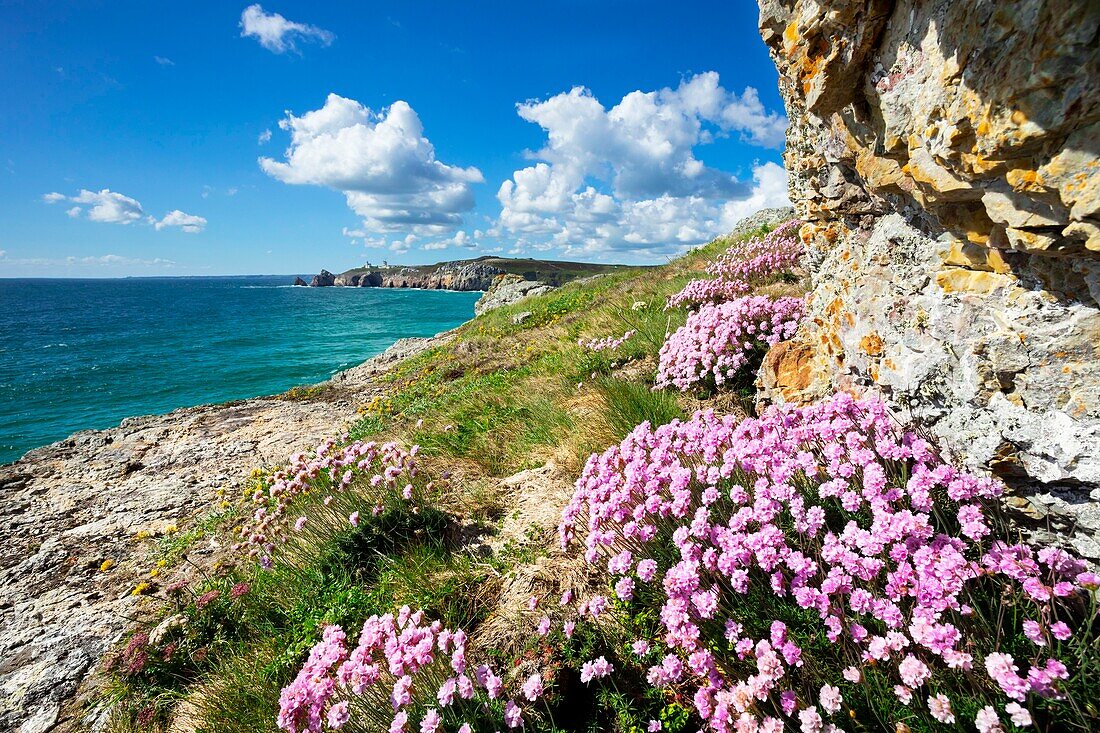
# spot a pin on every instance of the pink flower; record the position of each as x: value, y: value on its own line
x: 513, y: 716
x: 852, y: 674
x: 940, y: 707
x: 595, y: 669
x: 1034, y: 632
x: 299, y: 523
x: 353, y: 519
x: 430, y: 722
x: 399, y: 722
x: 567, y: 629
x: 338, y: 715
x: 810, y: 721
x: 914, y: 672
x: 532, y: 688
x: 1020, y: 716
x: 544, y: 626
x: 1060, y: 631
x: 566, y: 598
x: 830, y: 698
x: 653, y: 726
x: 987, y: 721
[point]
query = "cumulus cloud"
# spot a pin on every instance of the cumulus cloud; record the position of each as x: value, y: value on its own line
x: 111, y: 207
x: 382, y: 163
x: 627, y: 178
x: 186, y: 222
x: 104, y: 206
x: 276, y: 33
x: 264, y: 137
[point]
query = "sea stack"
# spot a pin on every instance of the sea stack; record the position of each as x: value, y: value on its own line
x: 323, y: 279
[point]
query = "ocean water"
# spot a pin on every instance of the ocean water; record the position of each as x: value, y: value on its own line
x: 79, y: 354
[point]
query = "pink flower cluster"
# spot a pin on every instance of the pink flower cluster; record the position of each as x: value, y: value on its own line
x: 745, y: 265
x: 378, y: 473
x: 402, y: 675
x: 828, y: 508
x: 718, y: 340
x: 707, y: 291
x: 606, y: 344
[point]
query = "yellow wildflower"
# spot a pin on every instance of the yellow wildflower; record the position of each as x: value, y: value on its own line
x: 106, y: 565
x: 140, y: 589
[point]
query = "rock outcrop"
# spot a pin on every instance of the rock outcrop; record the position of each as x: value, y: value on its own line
x: 945, y: 158
x: 508, y: 289
x: 323, y: 279
x: 300, y: 282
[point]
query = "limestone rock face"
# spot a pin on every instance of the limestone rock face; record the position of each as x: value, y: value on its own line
x: 507, y: 289
x: 945, y: 158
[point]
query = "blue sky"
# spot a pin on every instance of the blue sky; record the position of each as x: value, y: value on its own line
x: 142, y: 138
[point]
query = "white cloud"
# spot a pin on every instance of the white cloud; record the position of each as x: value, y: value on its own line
x: 264, y: 137
x: 103, y: 206
x: 627, y: 178
x: 3, y: 254
x: 276, y: 33
x: 110, y: 207
x: 381, y: 162
x: 187, y: 222
x: 460, y: 239
x: 164, y: 61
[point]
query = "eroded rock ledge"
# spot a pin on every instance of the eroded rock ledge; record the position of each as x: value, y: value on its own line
x: 944, y: 156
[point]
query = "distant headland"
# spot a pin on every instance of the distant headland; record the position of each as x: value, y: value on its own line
x: 474, y: 274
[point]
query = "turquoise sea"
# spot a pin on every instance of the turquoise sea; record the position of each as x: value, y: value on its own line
x: 79, y: 354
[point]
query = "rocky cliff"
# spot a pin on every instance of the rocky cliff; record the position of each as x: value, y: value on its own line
x: 508, y: 289
x: 460, y: 275
x: 476, y: 274
x: 944, y: 157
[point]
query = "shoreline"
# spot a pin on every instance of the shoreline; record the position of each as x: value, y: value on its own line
x: 68, y: 507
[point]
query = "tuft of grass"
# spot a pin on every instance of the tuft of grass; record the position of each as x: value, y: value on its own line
x: 630, y: 403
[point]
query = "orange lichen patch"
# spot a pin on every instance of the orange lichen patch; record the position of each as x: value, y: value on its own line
x: 1024, y: 179
x: 1019, y: 118
x: 960, y: 280
x: 850, y: 320
x: 871, y: 344
x: 974, y: 257
x: 790, y: 37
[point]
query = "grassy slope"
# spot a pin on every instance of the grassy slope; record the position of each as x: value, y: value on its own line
x: 499, y: 398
